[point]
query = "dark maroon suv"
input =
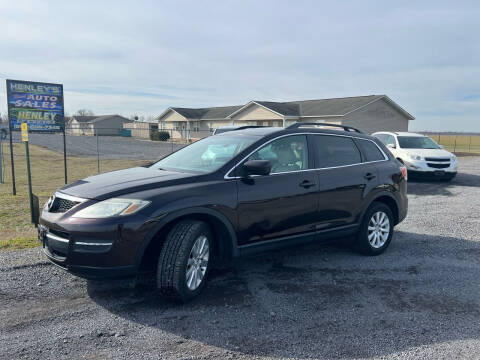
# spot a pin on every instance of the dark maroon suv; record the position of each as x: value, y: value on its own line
x: 225, y: 196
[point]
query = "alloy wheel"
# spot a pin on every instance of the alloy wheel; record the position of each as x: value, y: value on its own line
x: 197, y: 262
x: 378, y: 229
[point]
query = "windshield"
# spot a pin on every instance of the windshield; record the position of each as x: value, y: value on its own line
x: 206, y: 155
x: 417, y: 142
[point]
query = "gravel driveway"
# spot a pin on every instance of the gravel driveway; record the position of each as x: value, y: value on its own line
x: 109, y: 147
x: 421, y: 299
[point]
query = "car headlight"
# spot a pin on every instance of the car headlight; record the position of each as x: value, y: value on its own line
x: 415, y: 157
x: 111, y: 207
x: 48, y: 203
x: 454, y: 158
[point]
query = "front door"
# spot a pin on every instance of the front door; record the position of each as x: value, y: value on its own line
x: 283, y: 203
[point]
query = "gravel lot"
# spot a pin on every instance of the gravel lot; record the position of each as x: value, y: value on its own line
x: 110, y: 147
x: 421, y: 299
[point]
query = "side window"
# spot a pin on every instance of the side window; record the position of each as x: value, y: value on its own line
x: 335, y: 151
x: 382, y: 138
x: 390, y: 140
x: 370, y: 150
x: 289, y: 153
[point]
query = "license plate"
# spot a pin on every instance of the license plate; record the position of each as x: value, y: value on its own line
x: 439, y: 173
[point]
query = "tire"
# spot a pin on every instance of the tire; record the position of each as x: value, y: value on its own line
x: 177, y: 253
x: 377, y: 243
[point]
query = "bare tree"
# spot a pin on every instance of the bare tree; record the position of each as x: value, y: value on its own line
x: 84, y: 112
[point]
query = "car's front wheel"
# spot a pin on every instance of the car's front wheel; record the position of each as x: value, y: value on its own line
x: 185, y: 260
x: 376, y: 230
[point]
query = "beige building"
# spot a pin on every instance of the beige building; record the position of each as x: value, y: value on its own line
x: 367, y: 113
x: 139, y: 129
x: 96, y: 125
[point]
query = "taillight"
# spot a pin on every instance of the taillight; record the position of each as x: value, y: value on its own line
x: 403, y: 169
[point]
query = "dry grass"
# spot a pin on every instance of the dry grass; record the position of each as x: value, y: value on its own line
x: 461, y: 144
x: 16, y: 230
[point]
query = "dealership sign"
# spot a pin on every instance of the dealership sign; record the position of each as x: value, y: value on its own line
x: 38, y: 104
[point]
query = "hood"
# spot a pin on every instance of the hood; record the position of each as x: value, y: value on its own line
x: 428, y: 152
x: 120, y: 182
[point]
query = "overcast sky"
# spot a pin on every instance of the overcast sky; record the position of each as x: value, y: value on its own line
x: 141, y: 57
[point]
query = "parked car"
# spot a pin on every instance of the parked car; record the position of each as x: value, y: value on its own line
x: 226, y: 196
x: 222, y: 129
x: 421, y: 155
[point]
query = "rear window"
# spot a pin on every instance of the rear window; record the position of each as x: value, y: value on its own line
x: 370, y: 150
x: 335, y: 151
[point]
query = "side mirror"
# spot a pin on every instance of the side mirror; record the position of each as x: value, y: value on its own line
x: 257, y: 167
x: 391, y: 146
x: 441, y: 146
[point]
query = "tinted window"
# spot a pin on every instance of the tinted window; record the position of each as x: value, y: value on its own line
x: 382, y: 138
x: 370, y: 150
x: 335, y: 151
x: 417, y: 142
x: 386, y: 139
x: 289, y: 153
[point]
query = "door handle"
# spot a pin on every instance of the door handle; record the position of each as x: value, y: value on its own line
x: 369, y: 176
x: 306, y: 184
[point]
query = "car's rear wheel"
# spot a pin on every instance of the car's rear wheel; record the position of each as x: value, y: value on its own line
x: 184, y: 260
x: 376, y: 230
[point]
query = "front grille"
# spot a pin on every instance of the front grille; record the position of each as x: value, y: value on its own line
x: 61, y: 205
x: 436, y: 159
x: 438, y: 166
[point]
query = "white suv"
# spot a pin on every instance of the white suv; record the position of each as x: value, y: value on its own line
x: 420, y: 154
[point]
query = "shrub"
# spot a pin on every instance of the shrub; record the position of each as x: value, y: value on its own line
x: 159, y: 135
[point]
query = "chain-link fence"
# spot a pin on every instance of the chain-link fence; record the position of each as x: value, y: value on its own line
x: 88, y: 154
x: 457, y: 143
x: 106, y: 149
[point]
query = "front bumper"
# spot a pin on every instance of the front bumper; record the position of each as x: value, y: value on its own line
x: 431, y: 168
x: 92, y: 248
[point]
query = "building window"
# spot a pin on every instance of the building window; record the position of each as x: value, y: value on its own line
x: 196, y: 126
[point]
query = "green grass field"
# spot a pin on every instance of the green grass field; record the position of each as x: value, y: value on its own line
x: 16, y: 230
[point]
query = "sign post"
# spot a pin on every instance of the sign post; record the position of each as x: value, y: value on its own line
x: 1, y: 160
x: 40, y: 105
x: 24, y: 128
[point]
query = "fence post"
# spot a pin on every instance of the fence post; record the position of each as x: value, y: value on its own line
x: 1, y: 160
x: 470, y: 143
x: 98, y: 155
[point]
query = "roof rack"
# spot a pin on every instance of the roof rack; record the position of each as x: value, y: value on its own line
x: 249, y: 127
x: 346, y: 128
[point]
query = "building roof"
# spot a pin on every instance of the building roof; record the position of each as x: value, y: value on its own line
x: 303, y: 108
x: 207, y: 113
x: 323, y: 107
x: 96, y: 118
x: 83, y: 119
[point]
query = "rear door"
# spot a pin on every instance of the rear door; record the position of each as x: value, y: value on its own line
x: 283, y: 203
x: 343, y: 180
